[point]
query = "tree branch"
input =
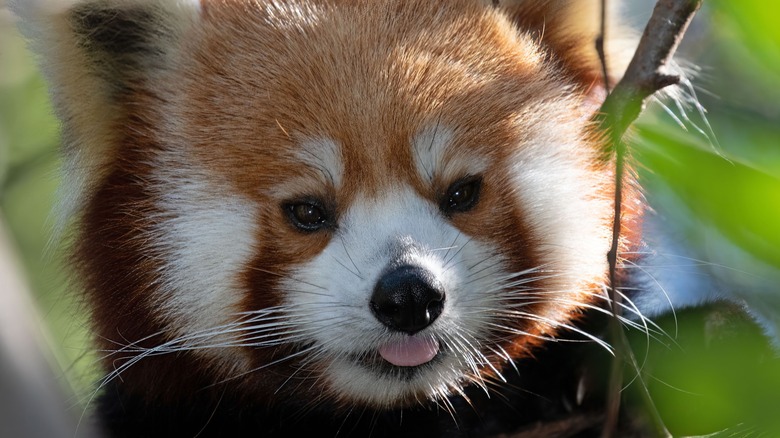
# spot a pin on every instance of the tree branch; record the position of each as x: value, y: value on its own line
x: 648, y: 72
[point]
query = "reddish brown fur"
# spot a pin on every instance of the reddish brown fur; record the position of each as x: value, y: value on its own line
x: 331, y: 90
x: 251, y: 89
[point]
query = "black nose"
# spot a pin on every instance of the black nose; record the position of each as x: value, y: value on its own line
x: 407, y: 299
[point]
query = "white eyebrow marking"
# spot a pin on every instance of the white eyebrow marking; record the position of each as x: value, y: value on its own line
x: 435, y: 156
x: 324, y: 155
x: 430, y: 147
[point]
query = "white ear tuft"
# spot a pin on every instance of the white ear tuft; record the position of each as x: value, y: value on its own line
x: 93, y: 52
x: 27, y: 9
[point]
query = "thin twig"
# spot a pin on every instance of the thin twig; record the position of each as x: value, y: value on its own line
x: 600, y: 46
x: 650, y: 69
x: 648, y: 72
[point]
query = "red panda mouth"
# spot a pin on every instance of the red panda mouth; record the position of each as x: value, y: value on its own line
x: 410, y: 351
x: 403, y: 359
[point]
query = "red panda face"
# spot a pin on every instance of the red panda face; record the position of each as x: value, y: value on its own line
x: 375, y: 203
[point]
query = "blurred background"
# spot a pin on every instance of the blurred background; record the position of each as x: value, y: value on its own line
x: 711, y: 172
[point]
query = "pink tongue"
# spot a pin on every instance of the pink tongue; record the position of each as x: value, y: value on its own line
x: 410, y: 352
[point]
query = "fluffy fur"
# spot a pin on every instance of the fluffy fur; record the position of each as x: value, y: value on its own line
x: 201, y: 137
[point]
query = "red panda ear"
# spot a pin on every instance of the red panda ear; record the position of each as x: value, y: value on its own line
x: 95, y: 53
x: 96, y: 49
x: 568, y: 29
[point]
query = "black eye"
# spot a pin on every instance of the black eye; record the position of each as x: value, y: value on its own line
x: 462, y: 195
x: 307, y: 216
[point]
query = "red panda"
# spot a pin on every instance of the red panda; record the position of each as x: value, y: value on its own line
x: 331, y: 216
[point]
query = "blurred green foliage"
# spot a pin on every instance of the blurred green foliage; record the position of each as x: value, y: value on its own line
x: 729, y: 179
x: 741, y: 201
x: 715, y: 375
x: 28, y: 181
x: 712, y: 373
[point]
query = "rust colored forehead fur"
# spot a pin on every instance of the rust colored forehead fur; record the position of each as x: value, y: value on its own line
x: 369, y: 75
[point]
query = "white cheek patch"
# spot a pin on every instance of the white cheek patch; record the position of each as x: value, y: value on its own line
x: 205, y: 236
x: 329, y: 296
x: 558, y: 194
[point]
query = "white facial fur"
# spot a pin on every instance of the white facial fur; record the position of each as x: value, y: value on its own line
x: 557, y: 190
x: 208, y: 239
x: 205, y: 235
x: 436, y: 156
x: 330, y: 294
x: 323, y: 155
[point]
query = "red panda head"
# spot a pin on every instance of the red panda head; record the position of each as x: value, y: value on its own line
x: 363, y: 202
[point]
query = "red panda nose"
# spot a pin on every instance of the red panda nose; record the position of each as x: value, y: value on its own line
x: 407, y: 299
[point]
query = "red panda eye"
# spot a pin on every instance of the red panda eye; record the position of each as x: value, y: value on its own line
x: 307, y: 215
x: 462, y: 195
